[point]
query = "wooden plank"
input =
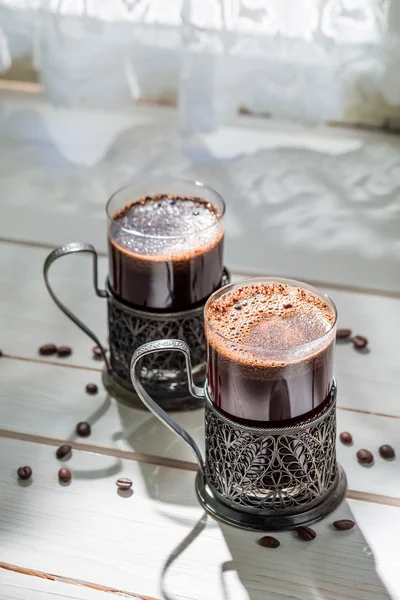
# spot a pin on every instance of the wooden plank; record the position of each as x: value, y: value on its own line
x: 17, y: 583
x: 45, y: 400
x: 274, y: 186
x: 366, y: 381
x: 158, y: 542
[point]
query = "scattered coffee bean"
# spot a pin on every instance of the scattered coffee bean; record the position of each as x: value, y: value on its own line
x: 92, y: 389
x: 48, y: 350
x: 97, y: 352
x: 269, y: 542
x: 288, y: 305
x: 343, y: 334
x: 64, y: 475
x: 387, y: 452
x: 83, y: 429
x: 365, y: 457
x: 24, y: 473
x: 63, y: 450
x: 359, y: 342
x: 306, y: 534
x: 343, y: 524
x: 123, y: 483
x: 63, y: 351
x: 346, y: 438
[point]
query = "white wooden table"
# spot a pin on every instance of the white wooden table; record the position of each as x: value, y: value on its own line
x: 84, y: 541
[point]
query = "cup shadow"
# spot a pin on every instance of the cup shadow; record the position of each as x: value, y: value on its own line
x: 337, y: 565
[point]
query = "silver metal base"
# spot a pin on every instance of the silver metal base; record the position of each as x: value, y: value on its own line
x: 258, y: 522
x: 130, y: 397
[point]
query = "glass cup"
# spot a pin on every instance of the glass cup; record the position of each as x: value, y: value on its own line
x: 270, y: 404
x: 164, y: 262
x: 156, y: 268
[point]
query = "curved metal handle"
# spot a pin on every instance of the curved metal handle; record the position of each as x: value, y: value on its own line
x: 196, y: 391
x: 62, y: 251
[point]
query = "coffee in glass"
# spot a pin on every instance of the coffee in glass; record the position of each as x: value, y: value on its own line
x: 270, y: 350
x: 165, y: 244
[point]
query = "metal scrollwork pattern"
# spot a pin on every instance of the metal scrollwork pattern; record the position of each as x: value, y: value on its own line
x: 272, y: 470
x: 129, y: 329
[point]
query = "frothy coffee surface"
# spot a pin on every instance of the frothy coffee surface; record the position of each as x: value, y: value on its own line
x: 163, y: 226
x: 267, y: 320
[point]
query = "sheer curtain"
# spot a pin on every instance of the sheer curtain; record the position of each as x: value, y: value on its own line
x: 315, y: 60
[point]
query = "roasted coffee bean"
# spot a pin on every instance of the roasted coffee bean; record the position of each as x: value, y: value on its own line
x: 83, y: 429
x: 63, y: 450
x: 346, y: 438
x: 24, y: 473
x: 48, y: 350
x: 343, y: 524
x: 365, y: 457
x: 64, y: 475
x: 306, y: 534
x: 387, y: 452
x: 359, y: 342
x: 123, y: 483
x: 269, y: 542
x: 63, y: 351
x: 97, y: 352
x: 343, y: 334
x: 91, y: 389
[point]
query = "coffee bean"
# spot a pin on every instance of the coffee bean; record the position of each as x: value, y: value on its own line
x: 83, y: 429
x: 91, y: 389
x: 269, y: 542
x: 47, y: 349
x: 343, y: 334
x: 387, y: 452
x: 346, y: 438
x: 24, y: 473
x: 365, y: 457
x: 123, y: 483
x: 288, y: 305
x: 63, y: 351
x: 63, y: 450
x: 306, y: 534
x: 64, y: 475
x: 97, y: 352
x: 359, y: 342
x: 343, y: 524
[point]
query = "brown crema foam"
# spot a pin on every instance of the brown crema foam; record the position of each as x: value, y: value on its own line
x: 166, y: 227
x: 271, y: 330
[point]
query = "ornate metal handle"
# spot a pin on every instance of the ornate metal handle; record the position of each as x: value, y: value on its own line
x: 62, y: 251
x: 196, y: 391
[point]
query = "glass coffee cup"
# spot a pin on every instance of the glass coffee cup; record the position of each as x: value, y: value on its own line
x: 165, y: 253
x: 270, y: 405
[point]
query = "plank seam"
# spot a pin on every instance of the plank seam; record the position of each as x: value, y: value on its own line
x: 316, y: 283
x: 99, y: 370
x: 161, y: 461
x: 71, y: 581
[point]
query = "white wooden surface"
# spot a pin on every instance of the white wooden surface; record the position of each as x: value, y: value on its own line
x: 84, y: 541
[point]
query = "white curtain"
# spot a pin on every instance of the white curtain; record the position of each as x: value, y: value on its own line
x: 315, y: 60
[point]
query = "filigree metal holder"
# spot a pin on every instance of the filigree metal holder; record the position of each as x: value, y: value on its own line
x: 259, y: 478
x: 163, y: 375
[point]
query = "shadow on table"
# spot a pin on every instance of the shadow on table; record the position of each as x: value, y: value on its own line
x: 337, y: 565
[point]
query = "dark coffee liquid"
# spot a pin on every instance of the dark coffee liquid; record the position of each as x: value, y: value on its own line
x: 271, y: 366
x: 166, y: 253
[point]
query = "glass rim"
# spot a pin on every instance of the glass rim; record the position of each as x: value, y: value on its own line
x: 193, y: 182
x: 254, y: 280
